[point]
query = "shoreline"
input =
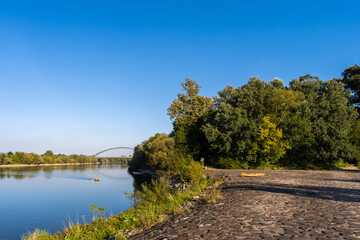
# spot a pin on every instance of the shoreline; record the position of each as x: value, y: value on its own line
x: 44, y: 164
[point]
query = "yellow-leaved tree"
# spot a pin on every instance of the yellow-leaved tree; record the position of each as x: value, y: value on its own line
x: 269, y: 146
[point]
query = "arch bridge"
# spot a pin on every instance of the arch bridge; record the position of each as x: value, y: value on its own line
x: 109, y: 149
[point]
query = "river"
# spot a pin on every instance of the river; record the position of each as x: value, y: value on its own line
x: 50, y: 197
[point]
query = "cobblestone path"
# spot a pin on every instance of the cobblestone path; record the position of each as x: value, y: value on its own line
x: 280, y: 205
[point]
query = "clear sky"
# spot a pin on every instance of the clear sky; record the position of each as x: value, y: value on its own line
x: 83, y: 76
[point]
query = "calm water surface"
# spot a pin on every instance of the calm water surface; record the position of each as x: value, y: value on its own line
x: 49, y: 197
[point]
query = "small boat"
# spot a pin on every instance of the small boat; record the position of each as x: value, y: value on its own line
x: 252, y: 174
x: 96, y: 179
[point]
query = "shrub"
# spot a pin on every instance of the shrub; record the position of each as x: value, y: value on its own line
x: 214, y: 193
x: 190, y: 170
x: 160, y: 154
x: 340, y: 163
x: 230, y: 163
x: 152, y: 192
x: 302, y: 155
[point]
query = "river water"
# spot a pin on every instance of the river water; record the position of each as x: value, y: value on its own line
x: 49, y: 198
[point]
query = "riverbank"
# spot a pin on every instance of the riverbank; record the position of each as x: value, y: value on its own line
x: 154, y: 204
x: 280, y: 205
x: 45, y: 164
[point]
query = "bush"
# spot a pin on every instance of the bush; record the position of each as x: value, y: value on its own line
x: 160, y: 154
x: 230, y: 163
x: 340, y: 163
x: 189, y: 170
x: 152, y: 193
x: 302, y: 155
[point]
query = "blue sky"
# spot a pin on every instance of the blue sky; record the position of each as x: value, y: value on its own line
x: 82, y: 76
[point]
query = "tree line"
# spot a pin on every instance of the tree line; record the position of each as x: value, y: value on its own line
x: 47, y: 157
x: 309, y: 124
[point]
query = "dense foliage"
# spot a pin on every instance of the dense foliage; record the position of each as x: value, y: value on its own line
x: 310, y: 124
x: 351, y: 80
x: 187, y: 113
x: 160, y: 153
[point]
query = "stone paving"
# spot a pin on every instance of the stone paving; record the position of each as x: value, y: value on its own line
x: 280, y: 205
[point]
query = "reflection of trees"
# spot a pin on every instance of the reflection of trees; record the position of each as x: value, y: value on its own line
x: 18, y: 176
x: 21, y: 173
x: 47, y: 169
x: 139, y: 180
x: 114, y: 160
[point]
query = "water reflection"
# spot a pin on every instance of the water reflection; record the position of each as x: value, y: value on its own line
x: 21, y: 173
x: 139, y: 180
x: 46, y: 197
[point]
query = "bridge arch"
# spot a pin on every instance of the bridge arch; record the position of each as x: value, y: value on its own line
x: 109, y: 149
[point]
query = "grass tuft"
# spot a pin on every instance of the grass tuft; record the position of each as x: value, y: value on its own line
x: 37, y: 235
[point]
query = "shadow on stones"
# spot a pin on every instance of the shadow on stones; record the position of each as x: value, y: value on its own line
x: 348, y: 170
x: 343, y: 180
x: 328, y: 193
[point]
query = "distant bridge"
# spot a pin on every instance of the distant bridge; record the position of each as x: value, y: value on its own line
x: 109, y: 149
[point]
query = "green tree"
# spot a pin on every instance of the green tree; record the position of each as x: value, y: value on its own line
x: 49, y: 153
x: 351, y: 80
x: 7, y: 160
x: 232, y: 126
x: 354, y: 136
x: 23, y: 158
x: 277, y: 83
x: 189, y: 107
x: 82, y: 159
x: 35, y: 158
x: 160, y: 154
x: 285, y: 107
x: 2, y: 157
x: 187, y: 113
x: 157, y: 153
x: 47, y: 159
x: 326, y: 108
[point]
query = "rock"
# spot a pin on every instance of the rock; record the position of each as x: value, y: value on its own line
x: 196, y: 197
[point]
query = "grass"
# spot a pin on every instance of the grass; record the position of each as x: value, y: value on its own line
x: 213, y: 194
x: 37, y: 235
x: 156, y: 202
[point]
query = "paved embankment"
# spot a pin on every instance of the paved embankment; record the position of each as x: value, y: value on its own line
x: 280, y: 205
